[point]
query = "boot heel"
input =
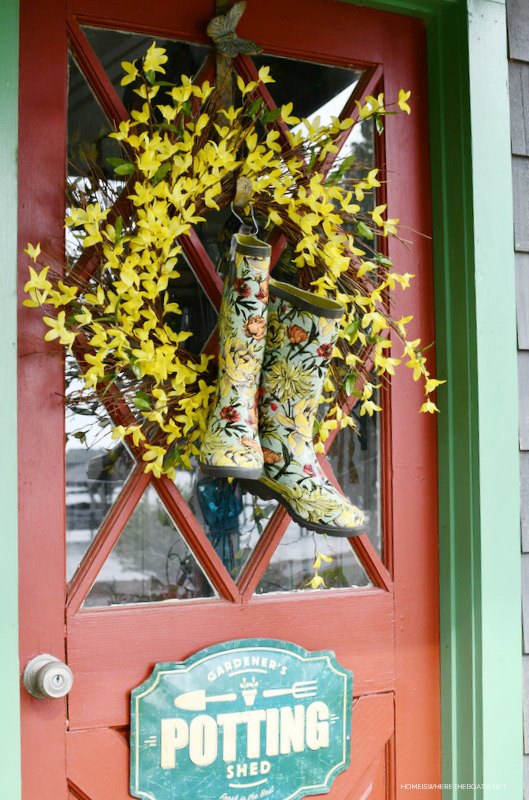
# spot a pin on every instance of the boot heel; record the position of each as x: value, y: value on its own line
x: 260, y: 490
x: 302, y: 332
x: 231, y: 472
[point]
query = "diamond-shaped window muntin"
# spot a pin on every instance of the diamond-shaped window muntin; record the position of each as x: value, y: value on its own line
x: 204, y: 269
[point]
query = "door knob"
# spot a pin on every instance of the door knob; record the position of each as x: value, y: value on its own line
x: 47, y: 677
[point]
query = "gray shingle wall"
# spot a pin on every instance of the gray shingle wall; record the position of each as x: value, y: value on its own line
x: 518, y: 30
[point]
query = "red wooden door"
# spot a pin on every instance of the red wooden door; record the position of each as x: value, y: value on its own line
x: 92, y: 592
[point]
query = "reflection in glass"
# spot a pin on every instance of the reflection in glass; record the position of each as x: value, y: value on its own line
x: 232, y: 519
x: 355, y: 460
x: 88, y: 144
x: 150, y: 561
x: 314, y: 89
x: 291, y: 566
x: 96, y: 470
x: 113, y: 47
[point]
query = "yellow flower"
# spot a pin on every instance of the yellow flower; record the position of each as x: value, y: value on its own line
x: 286, y: 112
x: 416, y: 363
x: 231, y: 113
x: 246, y: 88
x: 33, y: 252
x: 368, y: 407
x: 274, y: 218
x: 401, y: 102
x: 429, y: 408
x: 154, y: 456
x: 432, y: 384
x: 131, y: 73
x: 64, y: 295
x: 155, y: 57
x: 264, y: 75
x: 372, y: 105
x: 84, y: 318
x: 376, y: 214
x: 93, y: 375
x: 204, y: 91
x: 316, y: 582
x: 58, y: 330
x: 123, y: 130
x: 390, y: 227
x: 168, y: 112
x: 38, y: 287
x: 181, y: 94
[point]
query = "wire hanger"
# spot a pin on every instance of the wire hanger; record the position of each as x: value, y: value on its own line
x: 244, y: 226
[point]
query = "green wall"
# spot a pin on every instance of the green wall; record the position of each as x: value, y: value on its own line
x: 9, y: 727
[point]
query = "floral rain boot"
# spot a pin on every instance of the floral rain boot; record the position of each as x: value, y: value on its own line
x: 230, y: 447
x: 302, y: 330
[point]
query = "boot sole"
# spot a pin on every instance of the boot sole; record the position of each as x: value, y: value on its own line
x: 231, y: 472
x: 266, y: 493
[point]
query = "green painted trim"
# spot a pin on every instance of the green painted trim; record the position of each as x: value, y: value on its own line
x: 479, y: 479
x: 499, y: 539
x: 424, y: 9
x: 9, y: 671
x: 458, y: 429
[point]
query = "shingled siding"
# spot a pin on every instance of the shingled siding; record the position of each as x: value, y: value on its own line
x: 518, y: 30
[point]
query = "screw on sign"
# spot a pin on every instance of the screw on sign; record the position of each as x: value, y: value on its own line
x: 243, y: 720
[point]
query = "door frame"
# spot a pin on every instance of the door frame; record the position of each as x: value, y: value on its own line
x: 480, y: 615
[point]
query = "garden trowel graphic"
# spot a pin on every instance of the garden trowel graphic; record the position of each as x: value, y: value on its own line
x: 197, y: 700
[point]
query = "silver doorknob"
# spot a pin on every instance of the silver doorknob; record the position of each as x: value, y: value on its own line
x: 47, y: 677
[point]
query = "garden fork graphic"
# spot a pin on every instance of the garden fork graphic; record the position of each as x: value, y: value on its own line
x: 299, y: 690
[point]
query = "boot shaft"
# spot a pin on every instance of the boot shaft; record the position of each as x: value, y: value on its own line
x: 230, y: 446
x: 302, y: 331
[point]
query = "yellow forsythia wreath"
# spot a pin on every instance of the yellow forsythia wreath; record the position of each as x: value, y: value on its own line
x: 182, y: 157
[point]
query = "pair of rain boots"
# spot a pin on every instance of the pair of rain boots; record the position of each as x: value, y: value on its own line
x: 276, y: 342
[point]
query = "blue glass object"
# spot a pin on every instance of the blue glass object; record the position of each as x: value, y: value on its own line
x: 221, y: 505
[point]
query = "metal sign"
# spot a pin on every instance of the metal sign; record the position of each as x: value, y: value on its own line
x: 254, y: 719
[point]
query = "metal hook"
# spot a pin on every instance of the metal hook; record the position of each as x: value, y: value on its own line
x: 252, y: 214
x: 256, y: 226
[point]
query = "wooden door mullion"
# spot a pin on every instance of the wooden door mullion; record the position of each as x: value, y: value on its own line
x: 202, y: 266
x: 95, y: 75
x: 105, y: 539
x: 196, y: 539
x: 248, y: 71
x: 368, y: 84
x: 262, y: 554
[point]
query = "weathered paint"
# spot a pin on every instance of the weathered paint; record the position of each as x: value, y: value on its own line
x: 9, y: 671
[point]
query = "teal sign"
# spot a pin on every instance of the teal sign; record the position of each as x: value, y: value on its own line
x: 255, y: 719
